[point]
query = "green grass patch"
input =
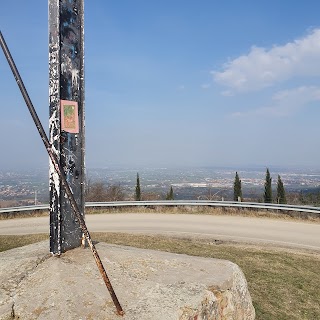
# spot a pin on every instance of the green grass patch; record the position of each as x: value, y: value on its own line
x: 284, y: 284
x: 10, y: 242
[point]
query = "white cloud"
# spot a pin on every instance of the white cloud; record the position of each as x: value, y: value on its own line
x: 287, y: 102
x: 227, y: 93
x: 206, y: 86
x: 265, y: 67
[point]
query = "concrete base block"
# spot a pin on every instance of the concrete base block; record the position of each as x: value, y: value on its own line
x: 149, y: 285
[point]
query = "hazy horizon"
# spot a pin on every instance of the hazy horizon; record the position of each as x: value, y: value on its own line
x: 137, y: 167
x: 181, y: 83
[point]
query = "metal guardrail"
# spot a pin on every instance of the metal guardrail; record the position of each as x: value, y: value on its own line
x: 223, y: 204
x: 25, y: 208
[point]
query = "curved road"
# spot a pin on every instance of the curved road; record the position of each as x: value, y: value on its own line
x: 294, y: 234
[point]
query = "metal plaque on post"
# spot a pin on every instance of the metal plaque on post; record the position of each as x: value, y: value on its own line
x: 66, y: 124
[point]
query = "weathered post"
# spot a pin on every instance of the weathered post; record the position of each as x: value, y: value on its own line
x: 66, y: 124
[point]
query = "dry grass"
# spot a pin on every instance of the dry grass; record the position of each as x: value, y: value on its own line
x: 273, y: 214
x: 10, y: 242
x: 24, y: 214
x: 284, y: 284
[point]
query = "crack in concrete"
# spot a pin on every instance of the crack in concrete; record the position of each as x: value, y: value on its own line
x: 12, y: 287
x: 13, y: 315
x: 29, y: 271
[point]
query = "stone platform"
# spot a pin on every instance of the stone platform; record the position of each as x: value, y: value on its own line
x: 149, y: 285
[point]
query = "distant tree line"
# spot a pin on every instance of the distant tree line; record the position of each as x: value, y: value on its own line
x: 138, y: 196
x: 306, y: 197
x: 100, y: 192
x: 267, y: 196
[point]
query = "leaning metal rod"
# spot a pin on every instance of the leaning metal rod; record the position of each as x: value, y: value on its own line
x: 59, y: 171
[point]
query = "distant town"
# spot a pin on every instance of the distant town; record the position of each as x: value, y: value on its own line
x: 205, y: 183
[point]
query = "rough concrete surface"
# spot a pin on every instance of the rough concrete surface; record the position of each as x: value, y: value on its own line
x: 149, y: 285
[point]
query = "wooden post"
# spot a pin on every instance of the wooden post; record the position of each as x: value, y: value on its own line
x: 66, y: 124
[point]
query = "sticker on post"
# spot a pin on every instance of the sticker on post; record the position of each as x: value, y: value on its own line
x: 69, y: 116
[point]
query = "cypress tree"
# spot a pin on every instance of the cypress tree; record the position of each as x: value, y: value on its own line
x: 138, y: 190
x: 170, y: 195
x: 267, y: 188
x: 281, y: 194
x: 237, y: 192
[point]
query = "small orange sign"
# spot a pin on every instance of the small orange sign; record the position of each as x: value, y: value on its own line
x: 69, y: 116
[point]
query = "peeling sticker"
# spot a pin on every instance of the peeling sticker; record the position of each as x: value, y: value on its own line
x: 69, y: 116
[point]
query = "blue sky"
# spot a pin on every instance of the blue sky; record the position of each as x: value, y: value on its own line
x: 175, y: 83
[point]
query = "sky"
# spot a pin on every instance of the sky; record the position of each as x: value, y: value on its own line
x: 175, y: 83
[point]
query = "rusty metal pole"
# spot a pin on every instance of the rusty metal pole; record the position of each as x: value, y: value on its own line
x: 59, y: 172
